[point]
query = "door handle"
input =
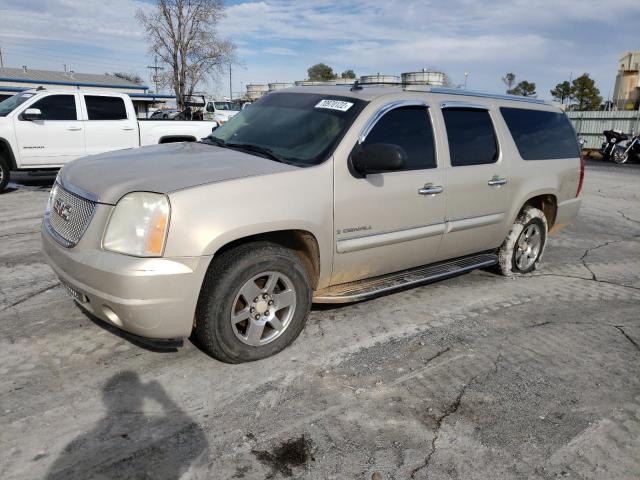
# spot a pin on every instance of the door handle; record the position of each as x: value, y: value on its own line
x: 74, y: 129
x: 127, y: 128
x: 430, y: 189
x: 497, y: 181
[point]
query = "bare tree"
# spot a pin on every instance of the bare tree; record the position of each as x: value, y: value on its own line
x: 509, y: 80
x: 129, y: 76
x: 183, y: 34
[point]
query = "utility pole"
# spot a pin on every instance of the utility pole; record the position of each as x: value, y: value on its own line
x: 1, y: 62
x: 155, y: 69
x: 230, y: 89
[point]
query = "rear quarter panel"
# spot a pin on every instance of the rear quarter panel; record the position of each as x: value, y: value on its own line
x: 153, y: 131
x: 530, y: 178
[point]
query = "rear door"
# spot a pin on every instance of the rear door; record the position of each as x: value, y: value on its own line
x: 387, y: 222
x: 109, y: 124
x: 56, y: 137
x: 477, y: 181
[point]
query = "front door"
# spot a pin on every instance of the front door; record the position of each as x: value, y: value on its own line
x: 390, y: 221
x: 477, y: 182
x: 56, y: 137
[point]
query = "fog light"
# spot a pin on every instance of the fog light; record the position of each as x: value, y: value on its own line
x: 111, y: 315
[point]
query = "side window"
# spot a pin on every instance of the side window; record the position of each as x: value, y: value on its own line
x: 57, y: 107
x: 105, y: 108
x: 410, y: 129
x: 472, y: 139
x: 541, y: 135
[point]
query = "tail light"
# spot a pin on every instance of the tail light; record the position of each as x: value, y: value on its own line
x: 581, y: 182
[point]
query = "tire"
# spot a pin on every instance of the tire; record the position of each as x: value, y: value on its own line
x: 5, y: 174
x: 620, y: 156
x: 259, y: 268
x: 521, y: 252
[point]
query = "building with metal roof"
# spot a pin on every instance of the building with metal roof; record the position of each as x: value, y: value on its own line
x: 14, y: 80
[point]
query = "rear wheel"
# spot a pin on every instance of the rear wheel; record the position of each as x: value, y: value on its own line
x: 620, y: 155
x: 5, y: 174
x: 254, y: 302
x: 523, y: 248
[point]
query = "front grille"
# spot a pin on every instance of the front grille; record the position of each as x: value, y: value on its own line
x: 69, y: 215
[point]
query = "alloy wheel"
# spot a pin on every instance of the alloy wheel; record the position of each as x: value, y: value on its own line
x: 263, y: 308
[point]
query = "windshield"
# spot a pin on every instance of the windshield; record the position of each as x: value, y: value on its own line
x: 300, y: 128
x: 10, y: 104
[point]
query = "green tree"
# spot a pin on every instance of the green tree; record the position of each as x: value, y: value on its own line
x: 320, y: 72
x: 524, y: 89
x: 562, y: 92
x: 509, y: 79
x: 348, y: 74
x: 584, y: 93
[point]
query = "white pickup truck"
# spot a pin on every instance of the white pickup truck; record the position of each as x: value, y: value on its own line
x: 44, y: 129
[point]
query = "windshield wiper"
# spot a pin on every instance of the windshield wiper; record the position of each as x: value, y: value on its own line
x: 267, y: 152
x: 215, y: 141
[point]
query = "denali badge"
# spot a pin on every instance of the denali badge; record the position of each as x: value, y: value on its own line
x: 62, y: 208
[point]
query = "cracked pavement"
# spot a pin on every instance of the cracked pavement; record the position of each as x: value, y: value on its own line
x: 475, y: 377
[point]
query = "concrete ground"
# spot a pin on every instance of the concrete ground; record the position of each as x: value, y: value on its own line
x: 477, y: 377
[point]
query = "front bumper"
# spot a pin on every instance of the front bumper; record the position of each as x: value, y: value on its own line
x: 149, y: 297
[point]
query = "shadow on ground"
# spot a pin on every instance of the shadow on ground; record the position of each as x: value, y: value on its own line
x: 132, y: 441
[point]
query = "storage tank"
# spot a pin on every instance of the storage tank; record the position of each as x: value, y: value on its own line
x: 379, y: 79
x: 423, y: 78
x: 279, y: 86
x: 255, y: 91
x: 344, y: 81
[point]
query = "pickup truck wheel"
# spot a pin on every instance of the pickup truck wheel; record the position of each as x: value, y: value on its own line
x: 523, y: 248
x: 5, y: 174
x: 254, y: 302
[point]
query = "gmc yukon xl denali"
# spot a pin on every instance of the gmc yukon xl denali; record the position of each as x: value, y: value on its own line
x: 44, y: 129
x: 314, y: 194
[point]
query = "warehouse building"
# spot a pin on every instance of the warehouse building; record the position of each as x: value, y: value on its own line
x: 14, y: 80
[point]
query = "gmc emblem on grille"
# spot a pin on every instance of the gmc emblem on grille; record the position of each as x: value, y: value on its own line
x: 62, y: 208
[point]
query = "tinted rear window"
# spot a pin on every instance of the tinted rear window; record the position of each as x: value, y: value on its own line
x: 105, y: 108
x: 541, y: 135
x: 472, y: 140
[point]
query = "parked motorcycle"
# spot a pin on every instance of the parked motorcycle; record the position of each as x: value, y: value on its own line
x: 612, y: 138
x: 623, y: 152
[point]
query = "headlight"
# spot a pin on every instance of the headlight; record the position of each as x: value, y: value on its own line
x: 138, y: 225
x: 52, y: 194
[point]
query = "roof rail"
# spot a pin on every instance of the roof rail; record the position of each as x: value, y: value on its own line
x: 473, y: 93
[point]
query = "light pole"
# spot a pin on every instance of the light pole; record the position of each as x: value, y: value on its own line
x: 466, y: 76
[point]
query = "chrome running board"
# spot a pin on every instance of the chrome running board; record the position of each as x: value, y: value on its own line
x: 372, y: 287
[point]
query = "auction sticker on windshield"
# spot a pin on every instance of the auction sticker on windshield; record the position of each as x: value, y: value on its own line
x: 334, y: 105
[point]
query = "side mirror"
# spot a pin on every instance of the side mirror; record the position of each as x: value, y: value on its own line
x: 376, y: 158
x: 32, y: 114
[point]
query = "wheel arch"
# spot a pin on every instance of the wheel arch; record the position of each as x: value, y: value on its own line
x: 176, y: 138
x: 6, y: 152
x: 545, y: 202
x: 302, y: 242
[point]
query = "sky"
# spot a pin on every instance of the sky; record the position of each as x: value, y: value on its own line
x: 542, y: 41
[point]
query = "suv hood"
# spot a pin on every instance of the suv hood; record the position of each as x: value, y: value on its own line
x: 161, y: 168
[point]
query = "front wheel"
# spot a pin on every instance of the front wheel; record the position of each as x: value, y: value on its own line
x: 523, y: 248
x: 620, y: 155
x: 254, y: 302
x: 5, y: 174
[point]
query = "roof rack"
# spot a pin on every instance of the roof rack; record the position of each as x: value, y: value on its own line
x: 473, y: 93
